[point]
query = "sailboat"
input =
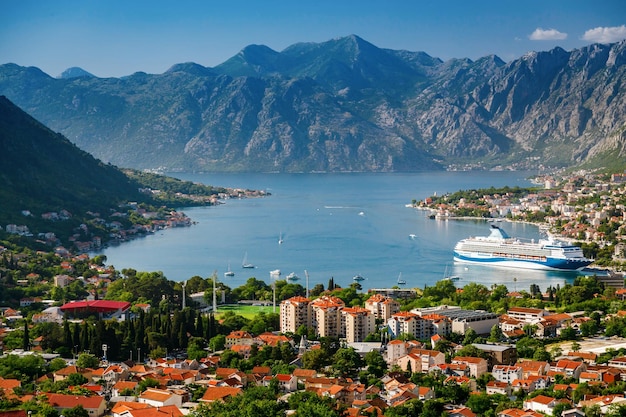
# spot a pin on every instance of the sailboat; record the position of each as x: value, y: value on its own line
x: 400, y: 280
x: 447, y: 277
x: 229, y: 273
x: 245, y: 263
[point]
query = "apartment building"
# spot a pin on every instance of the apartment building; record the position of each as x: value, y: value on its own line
x: 357, y: 323
x: 327, y: 316
x: 382, y: 307
x: 295, y: 312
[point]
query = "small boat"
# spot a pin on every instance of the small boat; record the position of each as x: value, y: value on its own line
x: 361, y: 213
x: 358, y: 277
x: 447, y: 277
x: 292, y: 277
x: 452, y: 278
x: 412, y: 236
x: 275, y: 272
x: 245, y: 263
x: 280, y: 238
x: 400, y: 280
x: 229, y: 273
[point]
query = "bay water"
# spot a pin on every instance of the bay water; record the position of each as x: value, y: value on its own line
x: 331, y: 225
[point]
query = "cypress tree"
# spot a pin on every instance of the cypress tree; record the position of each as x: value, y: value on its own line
x: 26, y: 339
x: 199, y: 326
x: 67, y: 335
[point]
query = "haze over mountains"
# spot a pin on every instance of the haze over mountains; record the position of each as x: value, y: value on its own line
x: 341, y: 105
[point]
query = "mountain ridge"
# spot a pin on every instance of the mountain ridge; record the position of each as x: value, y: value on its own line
x: 342, y: 105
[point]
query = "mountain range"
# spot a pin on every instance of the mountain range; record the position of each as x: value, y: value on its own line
x: 342, y: 105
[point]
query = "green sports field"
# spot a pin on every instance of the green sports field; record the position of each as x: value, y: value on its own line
x: 247, y: 311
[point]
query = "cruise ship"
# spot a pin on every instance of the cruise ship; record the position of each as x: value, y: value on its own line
x: 499, y: 249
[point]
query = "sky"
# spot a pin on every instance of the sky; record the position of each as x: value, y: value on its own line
x: 114, y: 38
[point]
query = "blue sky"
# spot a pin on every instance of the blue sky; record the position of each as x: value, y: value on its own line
x: 113, y: 38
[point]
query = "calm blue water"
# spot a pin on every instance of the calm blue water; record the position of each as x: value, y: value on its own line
x: 335, y: 225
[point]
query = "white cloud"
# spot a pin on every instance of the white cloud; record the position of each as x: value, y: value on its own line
x: 605, y: 34
x: 547, y: 35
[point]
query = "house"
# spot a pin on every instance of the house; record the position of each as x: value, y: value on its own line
x: 462, y: 411
x: 500, y: 354
x: 618, y: 362
x: 516, y: 412
x: 456, y: 369
x: 219, y: 393
x: 568, y: 368
x: 166, y: 411
x: 505, y: 373
x: 159, y: 398
x: 395, y: 350
x: 64, y: 373
x: 240, y: 337
x: 122, y: 386
x: 95, y: 406
x: 573, y: 412
x: 303, y: 374
x: 541, y: 403
x: 286, y: 382
x: 421, y: 360
x: 120, y: 407
x: 527, y: 315
x: 477, y: 366
x: 603, y: 401
x: 536, y: 368
x: 114, y: 373
x: 8, y: 385
x: 498, y: 387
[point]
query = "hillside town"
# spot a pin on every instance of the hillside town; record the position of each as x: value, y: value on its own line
x: 83, y: 339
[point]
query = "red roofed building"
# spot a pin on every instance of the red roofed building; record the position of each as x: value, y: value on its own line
x: 240, y: 337
x: 95, y: 405
x: 477, y: 366
x: 357, y: 323
x: 159, y: 398
x: 327, y: 313
x: 295, y: 312
x: 382, y: 307
x: 219, y: 393
x: 516, y: 412
x: 541, y: 403
x: 166, y: 411
x: 104, y: 308
x: 271, y: 339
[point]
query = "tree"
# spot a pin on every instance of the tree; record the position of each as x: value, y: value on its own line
x: 26, y: 339
x: 147, y: 383
x: 560, y: 407
x: 315, y: 359
x: 87, y: 360
x: 347, y: 362
x: 217, y: 343
x: 76, y: 379
x: 496, y: 334
x: 76, y: 411
x: 568, y: 333
x: 480, y: 403
x: 470, y: 336
x: 376, y: 364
